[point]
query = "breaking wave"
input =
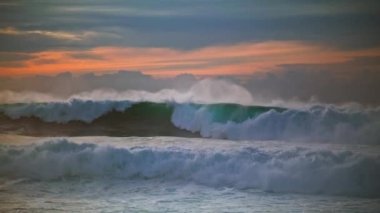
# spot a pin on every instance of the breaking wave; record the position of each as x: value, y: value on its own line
x: 319, y: 124
x: 298, y: 170
x: 228, y: 121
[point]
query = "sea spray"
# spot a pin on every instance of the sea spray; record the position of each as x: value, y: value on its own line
x: 228, y: 121
x: 292, y: 170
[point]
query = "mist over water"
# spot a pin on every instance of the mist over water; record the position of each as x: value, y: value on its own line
x: 306, y: 151
x: 211, y: 108
x: 204, y: 91
x: 190, y: 106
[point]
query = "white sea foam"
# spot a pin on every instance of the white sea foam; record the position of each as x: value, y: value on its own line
x: 300, y: 170
x: 324, y: 123
x: 320, y: 124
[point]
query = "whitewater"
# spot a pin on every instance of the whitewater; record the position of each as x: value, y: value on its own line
x: 319, y: 123
x: 111, y: 174
x: 135, y: 151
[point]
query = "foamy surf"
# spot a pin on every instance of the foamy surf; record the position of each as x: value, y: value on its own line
x: 320, y: 123
x: 314, y: 158
x: 265, y: 166
x: 161, y: 174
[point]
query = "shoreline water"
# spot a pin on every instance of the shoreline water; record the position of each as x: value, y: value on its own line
x: 169, y: 173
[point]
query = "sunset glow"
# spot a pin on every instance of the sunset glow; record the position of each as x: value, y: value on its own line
x: 189, y: 106
x: 243, y: 59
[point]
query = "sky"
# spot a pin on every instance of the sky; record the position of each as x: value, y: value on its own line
x: 275, y: 46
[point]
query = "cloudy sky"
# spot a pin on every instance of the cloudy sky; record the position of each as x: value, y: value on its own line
x: 278, y: 43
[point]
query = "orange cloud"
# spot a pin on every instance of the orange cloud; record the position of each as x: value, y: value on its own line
x: 239, y: 59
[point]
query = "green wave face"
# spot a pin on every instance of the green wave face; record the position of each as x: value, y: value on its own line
x: 149, y: 109
x: 223, y: 113
x: 220, y: 113
x: 125, y: 118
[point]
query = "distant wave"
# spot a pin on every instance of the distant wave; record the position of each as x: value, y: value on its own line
x: 229, y: 121
x: 297, y: 170
x: 63, y: 112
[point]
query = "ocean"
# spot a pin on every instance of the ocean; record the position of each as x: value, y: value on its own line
x: 124, y: 156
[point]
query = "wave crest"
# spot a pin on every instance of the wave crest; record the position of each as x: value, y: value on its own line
x: 228, y: 121
x: 319, y: 124
x: 297, y: 170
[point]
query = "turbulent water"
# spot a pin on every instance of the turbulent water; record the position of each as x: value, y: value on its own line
x: 316, y: 158
x: 227, y: 121
x: 169, y: 174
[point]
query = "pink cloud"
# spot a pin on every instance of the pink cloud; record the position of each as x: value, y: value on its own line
x: 243, y: 58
